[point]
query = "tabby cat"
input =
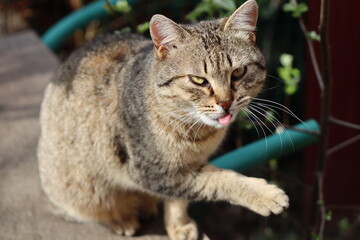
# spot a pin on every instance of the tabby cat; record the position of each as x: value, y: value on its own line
x: 127, y: 121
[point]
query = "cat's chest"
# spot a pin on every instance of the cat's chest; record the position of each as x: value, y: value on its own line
x: 192, y: 149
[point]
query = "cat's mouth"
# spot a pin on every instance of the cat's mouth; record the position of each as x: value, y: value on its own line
x: 225, y: 120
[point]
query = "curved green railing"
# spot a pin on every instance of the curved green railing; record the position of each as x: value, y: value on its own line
x: 240, y: 159
x: 273, y: 146
x: 64, y: 28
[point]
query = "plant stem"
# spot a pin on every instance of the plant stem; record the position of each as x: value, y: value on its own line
x: 320, y: 178
x: 312, y: 55
x: 325, y: 109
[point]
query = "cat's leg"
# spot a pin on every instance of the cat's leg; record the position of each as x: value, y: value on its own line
x: 148, y: 207
x: 123, y: 217
x: 256, y: 194
x: 179, y: 225
x: 213, y: 184
x: 118, y: 209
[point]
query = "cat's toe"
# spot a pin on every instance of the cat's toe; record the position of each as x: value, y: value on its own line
x: 283, y: 200
x: 205, y: 237
x: 128, y: 229
x: 261, y: 208
x: 185, y: 232
x: 279, y: 203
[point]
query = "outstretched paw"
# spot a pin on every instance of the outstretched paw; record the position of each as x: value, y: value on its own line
x: 268, y: 198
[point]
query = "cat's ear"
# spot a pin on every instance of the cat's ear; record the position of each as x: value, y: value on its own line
x: 244, y: 20
x: 166, y: 34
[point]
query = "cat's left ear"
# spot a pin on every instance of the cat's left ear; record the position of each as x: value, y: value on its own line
x: 166, y: 34
x: 243, y: 20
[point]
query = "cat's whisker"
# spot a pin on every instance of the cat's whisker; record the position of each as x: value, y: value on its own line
x: 279, y: 124
x: 276, y: 78
x: 197, y: 131
x: 251, y: 120
x: 181, y: 123
x: 258, y: 106
x: 265, y: 106
x: 260, y: 124
x: 269, y: 89
x: 182, y: 119
x: 258, y: 110
x: 277, y: 106
x: 188, y: 131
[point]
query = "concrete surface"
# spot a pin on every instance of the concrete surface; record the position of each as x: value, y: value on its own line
x: 25, y: 68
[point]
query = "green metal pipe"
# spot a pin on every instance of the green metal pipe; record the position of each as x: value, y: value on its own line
x: 263, y: 150
x: 64, y: 28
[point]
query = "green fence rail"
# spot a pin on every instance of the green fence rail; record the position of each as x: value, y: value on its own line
x: 64, y: 28
x: 273, y: 146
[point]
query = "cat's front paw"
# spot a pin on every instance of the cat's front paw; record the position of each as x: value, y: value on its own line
x: 126, y: 228
x: 266, y: 198
x: 188, y: 231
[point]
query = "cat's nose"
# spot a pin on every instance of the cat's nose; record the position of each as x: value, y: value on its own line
x: 225, y: 104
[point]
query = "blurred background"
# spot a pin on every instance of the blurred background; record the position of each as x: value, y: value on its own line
x: 292, y: 82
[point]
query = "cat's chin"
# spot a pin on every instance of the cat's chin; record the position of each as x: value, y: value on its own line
x: 215, y: 122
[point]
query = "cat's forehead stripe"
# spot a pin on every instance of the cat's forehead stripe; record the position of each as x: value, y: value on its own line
x: 229, y: 60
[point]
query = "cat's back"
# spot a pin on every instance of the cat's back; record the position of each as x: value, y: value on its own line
x: 101, y: 58
x: 80, y: 109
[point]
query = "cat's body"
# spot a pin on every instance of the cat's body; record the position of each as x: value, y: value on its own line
x: 125, y: 124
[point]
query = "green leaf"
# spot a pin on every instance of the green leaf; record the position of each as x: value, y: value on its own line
x: 122, y: 6
x: 290, y: 89
x: 211, y: 8
x: 344, y: 224
x: 314, y: 36
x: 315, y: 236
x: 141, y: 28
x: 286, y: 59
x: 289, y: 74
x: 297, y: 9
x: 289, y: 7
x: 328, y: 216
x: 123, y: 30
x: 228, y: 5
x: 320, y: 202
x: 202, y: 8
x: 273, y: 163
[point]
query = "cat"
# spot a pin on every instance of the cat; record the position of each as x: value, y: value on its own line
x: 127, y: 122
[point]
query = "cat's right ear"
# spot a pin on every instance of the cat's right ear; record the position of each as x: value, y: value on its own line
x: 166, y: 34
x: 243, y: 20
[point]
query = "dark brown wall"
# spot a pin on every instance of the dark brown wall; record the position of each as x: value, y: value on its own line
x: 342, y: 181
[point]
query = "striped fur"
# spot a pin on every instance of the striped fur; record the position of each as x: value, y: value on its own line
x: 123, y: 125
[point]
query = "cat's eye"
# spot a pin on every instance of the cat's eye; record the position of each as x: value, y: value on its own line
x: 238, y: 73
x: 198, y: 80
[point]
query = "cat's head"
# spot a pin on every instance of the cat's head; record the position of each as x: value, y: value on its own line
x: 209, y: 71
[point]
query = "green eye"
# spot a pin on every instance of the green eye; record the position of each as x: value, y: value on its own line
x: 238, y: 73
x: 198, y: 80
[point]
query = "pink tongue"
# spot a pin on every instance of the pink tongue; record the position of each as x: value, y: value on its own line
x: 225, y: 120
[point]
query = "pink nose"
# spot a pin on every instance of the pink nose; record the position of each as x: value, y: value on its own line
x: 225, y: 104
